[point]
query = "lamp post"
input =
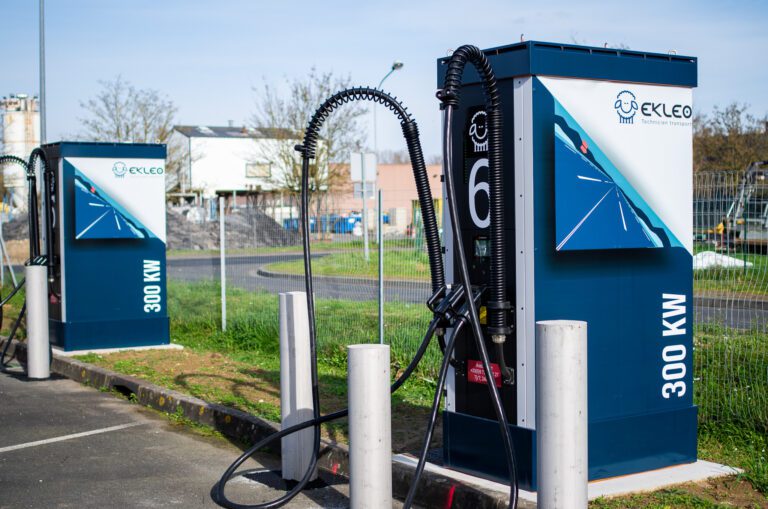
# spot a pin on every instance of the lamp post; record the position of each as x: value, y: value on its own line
x: 396, y: 65
x: 43, y: 133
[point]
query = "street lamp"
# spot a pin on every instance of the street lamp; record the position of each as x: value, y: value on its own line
x: 41, y: 104
x: 396, y: 66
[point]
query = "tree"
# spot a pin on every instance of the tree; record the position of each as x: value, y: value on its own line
x: 286, y: 116
x: 121, y: 112
x: 729, y: 139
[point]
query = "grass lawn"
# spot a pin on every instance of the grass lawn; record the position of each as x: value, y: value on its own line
x: 731, y: 376
x: 746, y: 282
x: 342, y: 243
x: 241, y: 367
x: 412, y: 264
x: 398, y: 264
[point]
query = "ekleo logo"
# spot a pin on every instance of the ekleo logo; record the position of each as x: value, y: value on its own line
x: 478, y: 131
x: 119, y: 169
x: 626, y: 107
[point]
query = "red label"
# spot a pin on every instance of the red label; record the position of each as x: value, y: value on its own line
x: 476, y: 373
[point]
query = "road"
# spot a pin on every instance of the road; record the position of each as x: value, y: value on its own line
x: 64, y: 445
x: 243, y: 272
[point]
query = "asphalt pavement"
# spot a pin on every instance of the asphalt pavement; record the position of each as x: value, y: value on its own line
x: 243, y: 272
x: 63, y: 445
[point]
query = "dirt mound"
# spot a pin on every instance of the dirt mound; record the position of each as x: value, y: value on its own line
x: 183, y: 233
x: 245, y: 228
x: 17, y: 229
x: 253, y: 228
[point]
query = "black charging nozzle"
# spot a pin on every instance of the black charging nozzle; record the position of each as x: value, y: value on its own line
x: 498, y: 306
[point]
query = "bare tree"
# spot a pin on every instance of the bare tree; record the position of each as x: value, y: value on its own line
x: 394, y: 157
x: 286, y: 115
x: 120, y: 112
x: 729, y: 139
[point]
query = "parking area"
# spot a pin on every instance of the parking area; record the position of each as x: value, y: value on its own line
x: 63, y: 445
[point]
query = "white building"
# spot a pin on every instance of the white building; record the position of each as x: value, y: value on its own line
x: 19, y: 135
x: 228, y: 160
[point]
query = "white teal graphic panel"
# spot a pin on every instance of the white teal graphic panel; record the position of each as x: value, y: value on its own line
x: 119, y: 199
x: 623, y: 162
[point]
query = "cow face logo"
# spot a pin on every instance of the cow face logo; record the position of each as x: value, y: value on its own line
x: 119, y: 169
x: 626, y: 107
x: 478, y: 131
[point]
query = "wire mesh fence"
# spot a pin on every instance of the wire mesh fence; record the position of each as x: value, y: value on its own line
x: 731, y: 297
x: 263, y: 257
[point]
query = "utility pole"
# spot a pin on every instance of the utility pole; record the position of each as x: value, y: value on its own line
x: 43, y: 134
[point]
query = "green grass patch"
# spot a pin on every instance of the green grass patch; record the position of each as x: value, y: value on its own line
x: 252, y: 324
x: 735, y: 280
x: 342, y: 243
x: 399, y: 264
x: 731, y: 376
x: 12, y: 308
x: 662, y: 499
x: 738, y: 446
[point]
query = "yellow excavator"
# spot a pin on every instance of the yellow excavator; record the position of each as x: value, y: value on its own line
x: 745, y: 224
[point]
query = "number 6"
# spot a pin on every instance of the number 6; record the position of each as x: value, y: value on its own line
x: 474, y: 188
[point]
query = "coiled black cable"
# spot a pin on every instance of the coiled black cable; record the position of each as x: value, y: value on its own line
x: 32, y: 201
x: 13, y: 159
x: 5, y: 159
x: 411, y: 135
x: 307, y: 149
x: 498, y: 305
x: 49, y: 183
x: 474, y: 320
x: 460, y: 324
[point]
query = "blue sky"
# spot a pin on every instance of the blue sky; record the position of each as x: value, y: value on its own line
x: 208, y: 55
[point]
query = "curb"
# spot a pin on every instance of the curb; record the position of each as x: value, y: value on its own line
x: 730, y: 303
x: 435, y: 490
x: 339, y: 279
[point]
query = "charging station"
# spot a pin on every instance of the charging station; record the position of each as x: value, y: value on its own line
x: 107, y: 272
x: 597, y: 150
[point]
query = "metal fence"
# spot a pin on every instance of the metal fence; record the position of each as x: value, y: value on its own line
x: 262, y: 257
x: 731, y: 297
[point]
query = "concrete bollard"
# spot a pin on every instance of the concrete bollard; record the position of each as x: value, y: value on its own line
x: 38, y: 345
x: 561, y: 414
x: 370, y: 439
x: 295, y: 385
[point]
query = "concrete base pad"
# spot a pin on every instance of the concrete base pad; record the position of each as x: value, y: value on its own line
x: 58, y: 351
x: 624, y: 485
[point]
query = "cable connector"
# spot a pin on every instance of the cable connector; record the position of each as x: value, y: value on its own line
x: 447, y: 98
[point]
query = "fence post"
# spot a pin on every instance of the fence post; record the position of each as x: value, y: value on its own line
x: 295, y: 385
x: 370, y: 438
x: 561, y: 414
x: 381, y: 270
x: 222, y: 265
x: 365, y: 209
